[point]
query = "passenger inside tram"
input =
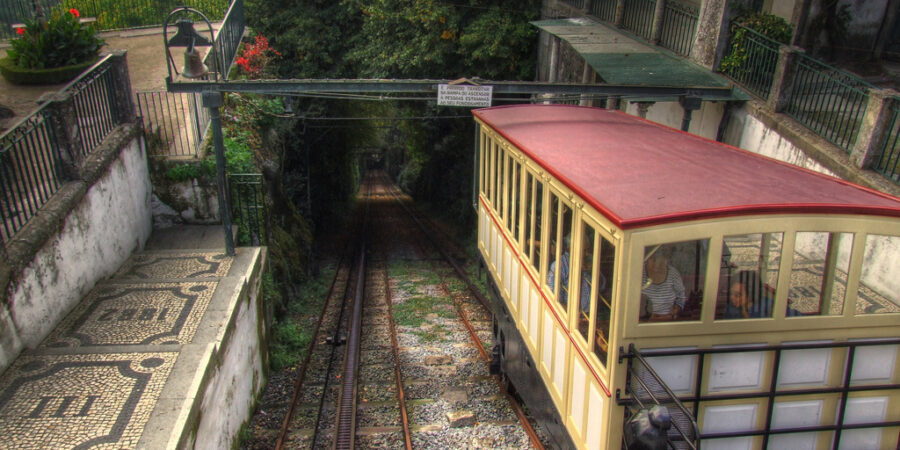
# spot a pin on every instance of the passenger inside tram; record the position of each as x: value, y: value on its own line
x: 749, y: 298
x: 662, y: 287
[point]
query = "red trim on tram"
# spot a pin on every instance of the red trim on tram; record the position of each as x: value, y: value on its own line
x: 559, y: 321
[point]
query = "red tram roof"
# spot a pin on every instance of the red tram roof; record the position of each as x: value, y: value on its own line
x: 640, y: 173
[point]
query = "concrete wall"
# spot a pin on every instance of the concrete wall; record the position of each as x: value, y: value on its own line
x: 82, y: 235
x: 866, y: 17
x: 748, y: 132
x: 704, y: 122
x: 229, y: 398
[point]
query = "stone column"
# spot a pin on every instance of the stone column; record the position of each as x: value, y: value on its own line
x: 620, y: 13
x: 713, y: 33
x: 783, y: 79
x: 554, y: 59
x: 63, y: 120
x: 122, y: 86
x: 587, y: 77
x: 656, y: 30
x: 875, y: 127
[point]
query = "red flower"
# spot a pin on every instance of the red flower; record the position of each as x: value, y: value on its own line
x: 74, y: 12
x: 241, y: 61
x: 20, y: 31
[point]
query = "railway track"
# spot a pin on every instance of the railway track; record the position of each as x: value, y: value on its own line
x: 420, y: 378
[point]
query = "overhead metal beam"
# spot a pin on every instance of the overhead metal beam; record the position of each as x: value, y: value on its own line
x: 365, y: 86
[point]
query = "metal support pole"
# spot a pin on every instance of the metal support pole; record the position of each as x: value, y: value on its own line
x: 689, y: 104
x: 213, y: 101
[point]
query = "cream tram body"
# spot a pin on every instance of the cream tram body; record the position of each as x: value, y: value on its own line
x: 607, y: 191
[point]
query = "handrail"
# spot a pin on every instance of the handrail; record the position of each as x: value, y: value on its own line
x: 689, y: 437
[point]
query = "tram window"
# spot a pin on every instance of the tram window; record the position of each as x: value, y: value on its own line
x: 560, y: 249
x: 501, y: 174
x: 538, y: 199
x: 489, y: 168
x: 588, y: 251
x: 819, y: 273
x: 528, y: 202
x: 748, y: 275
x: 672, y: 281
x: 511, y: 189
x: 603, y: 298
x: 517, y: 202
x: 879, y: 286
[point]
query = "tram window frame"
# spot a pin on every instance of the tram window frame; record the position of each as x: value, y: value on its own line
x: 694, y: 296
x: 871, y: 249
x: 510, y: 191
x: 517, y: 206
x: 832, y: 257
x: 528, y: 200
x: 500, y: 181
x: 761, y: 270
x: 482, y: 158
x: 559, y: 249
x: 537, y: 223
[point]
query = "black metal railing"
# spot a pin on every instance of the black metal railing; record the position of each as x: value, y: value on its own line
x: 175, y: 124
x: 846, y: 389
x: 30, y: 152
x: 29, y: 170
x: 95, y: 104
x: 888, y: 163
x: 828, y: 101
x: 248, y: 208
x: 679, y: 25
x: 644, y: 388
x: 638, y: 17
x: 110, y: 14
x: 604, y: 9
x: 753, y: 58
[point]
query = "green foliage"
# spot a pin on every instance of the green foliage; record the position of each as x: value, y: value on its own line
x: 185, y: 171
x: 433, y: 39
x: 59, y: 41
x: 769, y: 25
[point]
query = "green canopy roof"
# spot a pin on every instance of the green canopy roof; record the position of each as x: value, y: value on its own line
x: 620, y: 59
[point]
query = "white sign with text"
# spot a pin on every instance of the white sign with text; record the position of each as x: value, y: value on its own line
x: 464, y: 95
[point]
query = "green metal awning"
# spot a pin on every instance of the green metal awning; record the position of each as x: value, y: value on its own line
x: 619, y: 59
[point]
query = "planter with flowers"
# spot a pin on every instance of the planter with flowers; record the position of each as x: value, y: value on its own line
x: 51, y: 51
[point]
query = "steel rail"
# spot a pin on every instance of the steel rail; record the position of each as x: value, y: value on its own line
x: 398, y: 373
x: 298, y: 384
x: 520, y: 414
x: 345, y: 433
x: 345, y: 428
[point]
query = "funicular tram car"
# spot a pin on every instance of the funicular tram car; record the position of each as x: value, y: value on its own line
x: 634, y: 265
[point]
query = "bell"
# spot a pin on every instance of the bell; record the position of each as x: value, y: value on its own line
x: 193, y: 65
x: 186, y: 36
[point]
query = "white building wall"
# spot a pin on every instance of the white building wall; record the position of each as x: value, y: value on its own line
x: 111, y: 221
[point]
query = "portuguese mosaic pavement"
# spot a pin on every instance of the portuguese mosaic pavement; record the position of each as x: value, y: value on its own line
x: 94, y: 382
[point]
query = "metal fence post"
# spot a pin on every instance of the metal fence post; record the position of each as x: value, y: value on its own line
x: 783, y: 80
x: 63, y: 119
x: 125, y: 109
x: 214, y: 101
x: 875, y: 127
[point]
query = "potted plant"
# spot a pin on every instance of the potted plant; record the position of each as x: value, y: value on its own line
x: 51, y: 51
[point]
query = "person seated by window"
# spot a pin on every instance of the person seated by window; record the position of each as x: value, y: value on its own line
x: 563, y: 296
x: 662, y: 287
x: 748, y: 298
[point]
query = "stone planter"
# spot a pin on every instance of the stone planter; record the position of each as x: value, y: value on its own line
x: 17, y: 75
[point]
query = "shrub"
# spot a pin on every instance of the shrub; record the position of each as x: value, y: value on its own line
x: 768, y: 25
x: 255, y: 57
x: 59, y: 41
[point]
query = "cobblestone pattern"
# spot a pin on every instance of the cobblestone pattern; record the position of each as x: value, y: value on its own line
x: 123, y: 314
x: 181, y: 265
x: 80, y: 401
